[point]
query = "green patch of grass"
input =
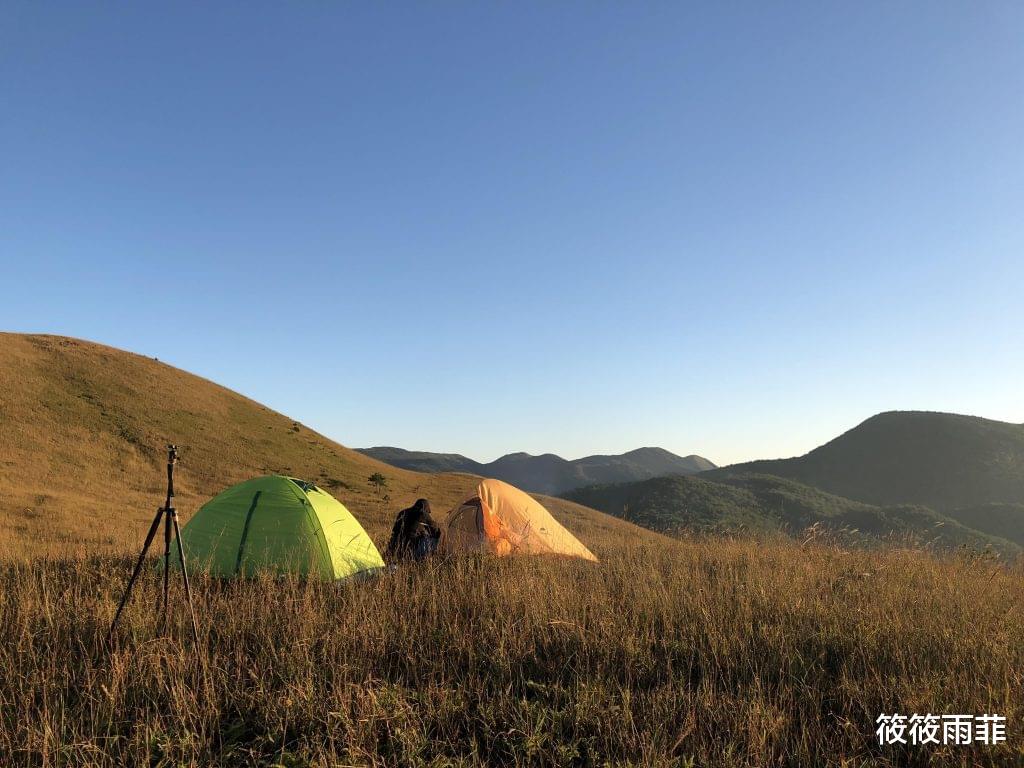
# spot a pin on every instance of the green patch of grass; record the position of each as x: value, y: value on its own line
x: 764, y: 503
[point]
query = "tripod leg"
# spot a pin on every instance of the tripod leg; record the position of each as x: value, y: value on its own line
x: 167, y: 565
x: 184, y: 576
x: 135, y: 573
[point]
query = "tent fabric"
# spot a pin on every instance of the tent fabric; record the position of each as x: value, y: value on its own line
x: 277, y: 525
x: 501, y: 519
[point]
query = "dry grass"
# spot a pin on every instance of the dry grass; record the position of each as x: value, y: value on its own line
x: 712, y: 652
x: 82, y: 435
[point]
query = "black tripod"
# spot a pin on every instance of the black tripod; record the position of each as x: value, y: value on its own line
x: 170, y: 516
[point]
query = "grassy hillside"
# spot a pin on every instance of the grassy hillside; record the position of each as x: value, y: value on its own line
x: 549, y: 473
x: 82, y: 456
x: 712, y: 653
x: 941, y: 460
x: 677, y: 504
x: 1003, y: 520
x: 759, y: 503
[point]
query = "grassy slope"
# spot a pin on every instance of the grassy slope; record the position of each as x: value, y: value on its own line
x: 1003, y: 520
x: 82, y: 455
x: 757, y: 502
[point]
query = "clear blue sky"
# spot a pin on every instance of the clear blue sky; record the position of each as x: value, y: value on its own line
x: 732, y: 229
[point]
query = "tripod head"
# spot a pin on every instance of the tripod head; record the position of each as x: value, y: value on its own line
x: 172, y: 454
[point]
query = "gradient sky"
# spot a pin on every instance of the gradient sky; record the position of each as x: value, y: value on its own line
x: 722, y: 228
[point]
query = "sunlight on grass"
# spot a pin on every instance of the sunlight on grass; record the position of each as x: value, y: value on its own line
x: 727, y: 652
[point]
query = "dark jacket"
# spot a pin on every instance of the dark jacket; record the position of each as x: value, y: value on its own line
x: 414, y: 534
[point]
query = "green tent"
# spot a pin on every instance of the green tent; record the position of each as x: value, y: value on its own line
x: 277, y: 525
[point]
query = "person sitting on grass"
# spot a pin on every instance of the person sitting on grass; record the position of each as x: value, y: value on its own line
x: 414, y: 535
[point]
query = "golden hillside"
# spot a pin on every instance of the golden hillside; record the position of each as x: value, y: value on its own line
x: 83, y: 429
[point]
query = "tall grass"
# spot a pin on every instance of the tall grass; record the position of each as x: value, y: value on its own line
x: 712, y: 652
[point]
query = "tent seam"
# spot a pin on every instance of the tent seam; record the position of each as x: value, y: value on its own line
x: 320, y: 533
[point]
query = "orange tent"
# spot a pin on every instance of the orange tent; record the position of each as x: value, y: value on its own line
x: 501, y: 519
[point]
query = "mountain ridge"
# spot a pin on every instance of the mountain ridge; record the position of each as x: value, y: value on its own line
x: 548, y: 472
x: 944, y: 461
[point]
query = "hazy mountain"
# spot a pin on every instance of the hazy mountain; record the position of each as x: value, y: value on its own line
x: 549, y: 473
x: 757, y: 502
x: 423, y: 461
x: 969, y: 468
x: 944, y: 461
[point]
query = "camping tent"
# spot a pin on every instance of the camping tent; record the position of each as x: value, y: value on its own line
x: 501, y: 519
x: 277, y: 525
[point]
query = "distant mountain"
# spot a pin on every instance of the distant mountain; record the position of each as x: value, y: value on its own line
x: 82, y: 434
x: 423, y: 461
x: 941, y: 460
x: 1003, y: 520
x: 764, y: 503
x: 549, y: 473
